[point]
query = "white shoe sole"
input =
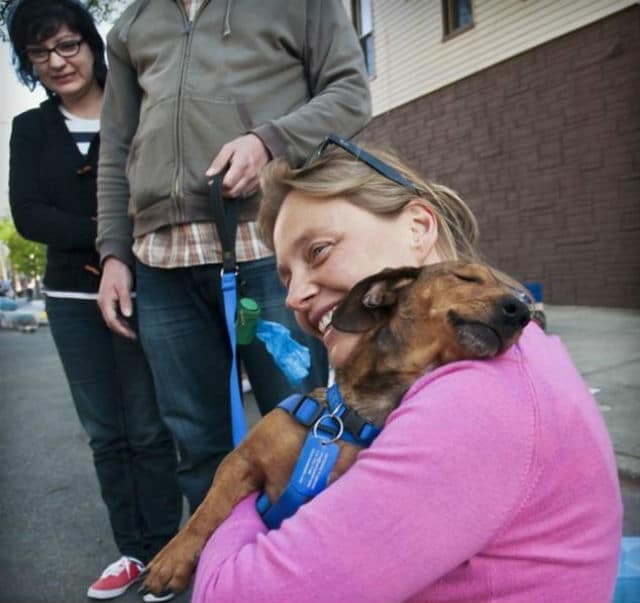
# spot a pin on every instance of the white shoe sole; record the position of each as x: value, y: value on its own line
x: 151, y: 598
x: 107, y: 594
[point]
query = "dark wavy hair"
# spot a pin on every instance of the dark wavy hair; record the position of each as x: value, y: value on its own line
x: 31, y: 21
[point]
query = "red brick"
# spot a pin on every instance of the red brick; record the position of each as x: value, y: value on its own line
x: 545, y: 148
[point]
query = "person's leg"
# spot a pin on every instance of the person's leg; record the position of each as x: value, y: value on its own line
x: 260, y: 281
x: 153, y: 453
x: 184, y: 336
x: 84, y: 345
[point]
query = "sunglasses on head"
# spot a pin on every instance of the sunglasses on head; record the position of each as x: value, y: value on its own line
x: 384, y: 169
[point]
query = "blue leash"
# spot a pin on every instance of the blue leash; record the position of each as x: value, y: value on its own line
x: 226, y: 223
x: 238, y: 421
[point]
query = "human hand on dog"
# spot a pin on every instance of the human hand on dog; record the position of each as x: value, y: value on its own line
x: 245, y: 156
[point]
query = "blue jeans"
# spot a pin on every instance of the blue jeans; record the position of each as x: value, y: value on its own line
x: 133, y: 452
x: 183, y: 332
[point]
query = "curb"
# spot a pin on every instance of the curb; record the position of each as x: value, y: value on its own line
x: 628, y: 467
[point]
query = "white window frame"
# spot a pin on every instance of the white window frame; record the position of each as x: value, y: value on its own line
x: 362, y: 15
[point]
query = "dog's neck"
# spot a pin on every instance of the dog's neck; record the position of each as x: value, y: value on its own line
x: 374, y: 380
x: 374, y: 394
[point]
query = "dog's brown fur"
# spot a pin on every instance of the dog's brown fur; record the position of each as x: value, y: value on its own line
x: 412, y: 320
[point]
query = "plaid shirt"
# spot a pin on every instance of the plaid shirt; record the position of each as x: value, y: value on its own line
x: 191, y: 7
x: 195, y: 244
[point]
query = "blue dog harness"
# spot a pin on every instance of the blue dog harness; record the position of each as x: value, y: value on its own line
x: 319, y: 452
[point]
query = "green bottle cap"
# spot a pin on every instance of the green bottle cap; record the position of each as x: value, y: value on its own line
x: 249, y: 305
x: 247, y: 320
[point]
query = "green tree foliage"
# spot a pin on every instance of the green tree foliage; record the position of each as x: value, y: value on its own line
x: 27, y: 258
x: 102, y: 10
x: 105, y: 10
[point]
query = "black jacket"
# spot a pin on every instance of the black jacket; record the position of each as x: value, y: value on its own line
x: 52, y: 192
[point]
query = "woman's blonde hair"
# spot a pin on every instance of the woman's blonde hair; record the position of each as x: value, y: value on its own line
x: 336, y: 173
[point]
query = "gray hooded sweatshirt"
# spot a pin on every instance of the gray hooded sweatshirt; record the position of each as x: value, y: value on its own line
x: 289, y: 71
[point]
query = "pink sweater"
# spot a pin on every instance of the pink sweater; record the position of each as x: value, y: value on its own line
x: 493, y: 482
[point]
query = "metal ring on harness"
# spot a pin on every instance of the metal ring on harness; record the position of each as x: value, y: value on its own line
x: 331, y: 417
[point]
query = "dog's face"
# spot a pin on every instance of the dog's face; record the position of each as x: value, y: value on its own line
x: 413, y: 319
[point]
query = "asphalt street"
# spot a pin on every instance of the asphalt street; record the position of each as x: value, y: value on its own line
x: 54, y: 534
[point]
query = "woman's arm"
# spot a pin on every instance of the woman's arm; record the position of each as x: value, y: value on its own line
x: 432, y: 491
x: 35, y: 217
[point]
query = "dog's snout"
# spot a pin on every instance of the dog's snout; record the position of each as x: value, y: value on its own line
x: 515, y: 311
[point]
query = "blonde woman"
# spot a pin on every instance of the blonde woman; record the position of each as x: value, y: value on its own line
x: 492, y: 481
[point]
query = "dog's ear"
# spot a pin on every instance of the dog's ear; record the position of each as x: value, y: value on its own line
x: 371, y: 301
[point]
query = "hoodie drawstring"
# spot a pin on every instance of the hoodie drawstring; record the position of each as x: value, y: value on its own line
x: 227, y: 20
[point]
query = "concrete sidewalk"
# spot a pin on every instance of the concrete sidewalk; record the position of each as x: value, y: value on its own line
x: 605, y: 346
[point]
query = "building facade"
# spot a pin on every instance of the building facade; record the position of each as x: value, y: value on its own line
x: 530, y: 109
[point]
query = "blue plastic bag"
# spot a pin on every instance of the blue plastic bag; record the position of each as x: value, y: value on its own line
x: 628, y: 582
x: 292, y: 358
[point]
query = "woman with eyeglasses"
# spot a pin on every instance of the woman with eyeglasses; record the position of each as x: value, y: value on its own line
x: 493, y: 481
x: 54, y: 151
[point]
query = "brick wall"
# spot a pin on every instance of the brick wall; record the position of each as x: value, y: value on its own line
x: 545, y: 148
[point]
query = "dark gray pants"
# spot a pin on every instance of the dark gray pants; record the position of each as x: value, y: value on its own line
x: 184, y: 335
x: 133, y: 452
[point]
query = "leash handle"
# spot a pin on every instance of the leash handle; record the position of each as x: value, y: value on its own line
x: 225, y: 215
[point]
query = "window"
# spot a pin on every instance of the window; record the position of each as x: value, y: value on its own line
x: 457, y: 16
x: 363, y: 21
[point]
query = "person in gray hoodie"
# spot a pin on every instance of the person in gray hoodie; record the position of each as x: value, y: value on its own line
x: 194, y: 88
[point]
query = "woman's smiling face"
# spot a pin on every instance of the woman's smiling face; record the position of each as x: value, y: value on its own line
x: 69, y: 77
x: 325, y: 246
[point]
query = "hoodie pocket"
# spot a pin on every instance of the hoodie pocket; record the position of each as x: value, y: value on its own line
x: 207, y: 126
x: 151, y: 164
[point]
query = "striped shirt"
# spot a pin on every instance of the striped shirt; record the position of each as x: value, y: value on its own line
x: 196, y: 243
x: 83, y: 132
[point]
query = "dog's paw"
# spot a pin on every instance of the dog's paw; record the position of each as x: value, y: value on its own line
x: 173, y: 567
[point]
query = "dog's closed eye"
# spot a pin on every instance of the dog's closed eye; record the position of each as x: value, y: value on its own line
x: 468, y: 278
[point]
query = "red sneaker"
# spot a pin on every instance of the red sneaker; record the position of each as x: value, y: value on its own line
x: 116, y: 578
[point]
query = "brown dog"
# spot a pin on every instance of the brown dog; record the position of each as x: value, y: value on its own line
x: 412, y: 320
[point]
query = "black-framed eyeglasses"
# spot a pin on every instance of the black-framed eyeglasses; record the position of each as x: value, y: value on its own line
x: 65, y: 49
x: 384, y: 169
